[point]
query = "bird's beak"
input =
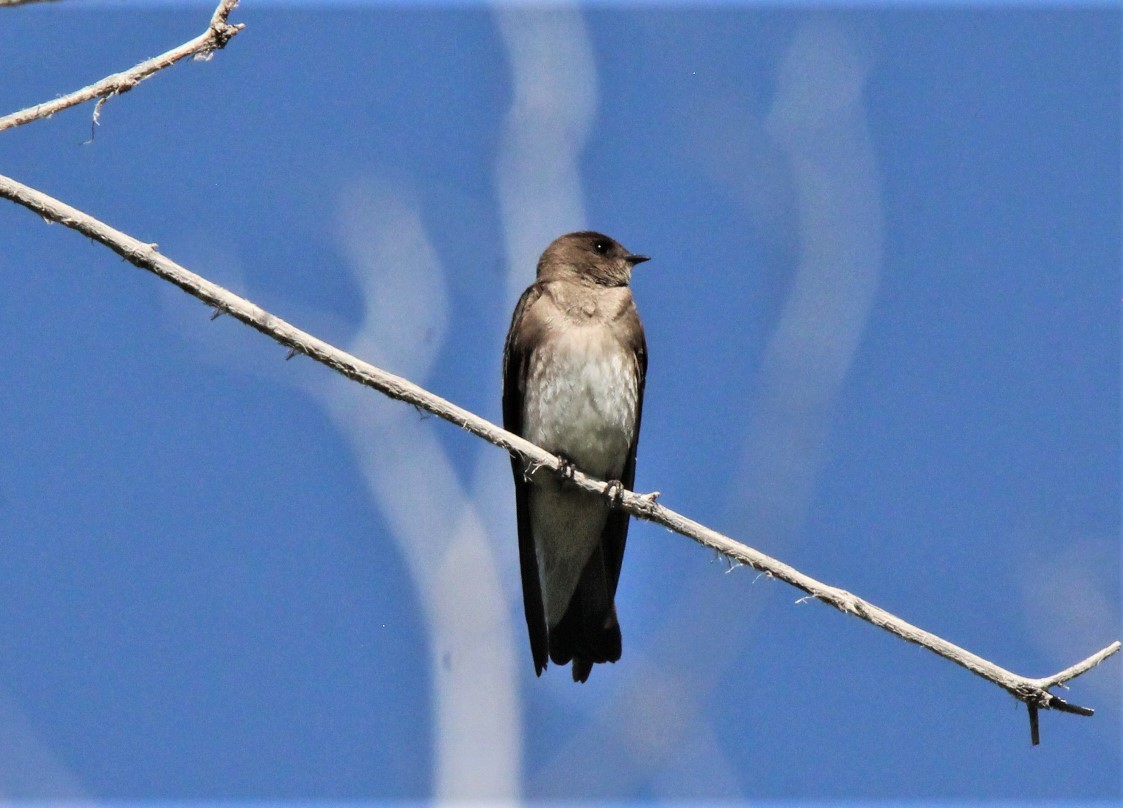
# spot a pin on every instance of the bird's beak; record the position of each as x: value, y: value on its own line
x: 636, y: 259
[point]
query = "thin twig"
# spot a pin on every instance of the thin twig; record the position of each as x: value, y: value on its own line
x: 218, y: 33
x: 1080, y: 667
x: 1033, y: 692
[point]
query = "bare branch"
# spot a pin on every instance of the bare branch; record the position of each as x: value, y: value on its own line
x: 218, y: 33
x: 1080, y: 667
x: 1033, y: 692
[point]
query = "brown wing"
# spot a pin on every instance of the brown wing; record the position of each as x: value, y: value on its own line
x: 516, y: 360
x: 615, y: 533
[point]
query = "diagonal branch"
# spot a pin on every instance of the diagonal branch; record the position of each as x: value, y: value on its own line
x: 1033, y: 692
x: 218, y: 33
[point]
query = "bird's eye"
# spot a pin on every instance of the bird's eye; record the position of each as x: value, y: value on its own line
x: 601, y: 246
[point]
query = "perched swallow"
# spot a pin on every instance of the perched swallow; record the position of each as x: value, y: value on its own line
x: 573, y: 373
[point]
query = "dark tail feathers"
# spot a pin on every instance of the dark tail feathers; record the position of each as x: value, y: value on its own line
x: 588, y: 632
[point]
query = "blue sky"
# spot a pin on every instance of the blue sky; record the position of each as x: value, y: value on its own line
x: 883, y: 322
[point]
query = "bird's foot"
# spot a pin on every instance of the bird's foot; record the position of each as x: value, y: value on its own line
x: 566, y: 468
x: 614, y: 490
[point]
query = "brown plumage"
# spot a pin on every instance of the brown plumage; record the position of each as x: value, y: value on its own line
x: 574, y: 366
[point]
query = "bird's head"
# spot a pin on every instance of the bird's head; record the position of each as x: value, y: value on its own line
x: 589, y: 258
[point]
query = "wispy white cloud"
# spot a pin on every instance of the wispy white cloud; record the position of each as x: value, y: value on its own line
x: 431, y: 517
x: 538, y: 175
x: 818, y: 121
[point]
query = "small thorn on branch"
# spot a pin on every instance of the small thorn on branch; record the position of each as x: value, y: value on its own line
x: 95, y: 120
x: 292, y: 352
x: 1034, y: 729
x: 216, y: 314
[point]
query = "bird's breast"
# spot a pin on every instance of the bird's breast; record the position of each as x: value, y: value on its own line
x: 581, y: 399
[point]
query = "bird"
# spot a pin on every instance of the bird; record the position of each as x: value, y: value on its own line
x: 574, y: 368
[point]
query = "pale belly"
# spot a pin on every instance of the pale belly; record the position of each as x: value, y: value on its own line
x: 584, y: 409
